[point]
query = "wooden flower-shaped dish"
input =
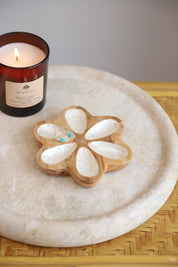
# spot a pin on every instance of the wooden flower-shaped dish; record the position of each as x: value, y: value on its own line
x: 81, y: 145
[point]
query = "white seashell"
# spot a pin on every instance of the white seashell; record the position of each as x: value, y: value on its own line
x: 86, y: 163
x: 57, y: 154
x: 102, y: 129
x: 53, y: 131
x: 77, y: 120
x: 108, y: 150
x: 47, y: 130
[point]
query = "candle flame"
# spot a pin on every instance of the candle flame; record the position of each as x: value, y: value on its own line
x: 16, y: 53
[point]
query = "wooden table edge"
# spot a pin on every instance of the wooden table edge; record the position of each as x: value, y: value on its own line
x: 159, y: 89
x: 88, y: 260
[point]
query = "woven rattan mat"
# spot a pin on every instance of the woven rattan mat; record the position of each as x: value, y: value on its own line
x: 157, y: 236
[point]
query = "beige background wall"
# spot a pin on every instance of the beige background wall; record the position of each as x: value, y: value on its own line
x: 135, y: 39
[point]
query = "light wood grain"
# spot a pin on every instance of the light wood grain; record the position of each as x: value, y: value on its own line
x: 91, y: 261
x: 160, y: 89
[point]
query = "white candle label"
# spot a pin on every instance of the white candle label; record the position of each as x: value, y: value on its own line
x: 23, y: 95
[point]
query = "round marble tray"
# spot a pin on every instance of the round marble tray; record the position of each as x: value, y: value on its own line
x: 55, y: 211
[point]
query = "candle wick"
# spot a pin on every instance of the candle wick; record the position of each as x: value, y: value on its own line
x: 16, y: 58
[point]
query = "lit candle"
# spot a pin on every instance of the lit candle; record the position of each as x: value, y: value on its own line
x: 20, y: 55
x: 23, y: 73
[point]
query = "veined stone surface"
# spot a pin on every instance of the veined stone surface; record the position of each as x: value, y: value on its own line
x: 40, y: 209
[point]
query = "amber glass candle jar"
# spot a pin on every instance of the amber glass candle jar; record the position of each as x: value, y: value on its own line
x: 23, y: 73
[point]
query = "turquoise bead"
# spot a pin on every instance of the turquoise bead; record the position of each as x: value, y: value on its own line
x: 69, y: 134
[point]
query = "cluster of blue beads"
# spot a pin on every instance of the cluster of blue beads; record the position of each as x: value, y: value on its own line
x: 69, y: 134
